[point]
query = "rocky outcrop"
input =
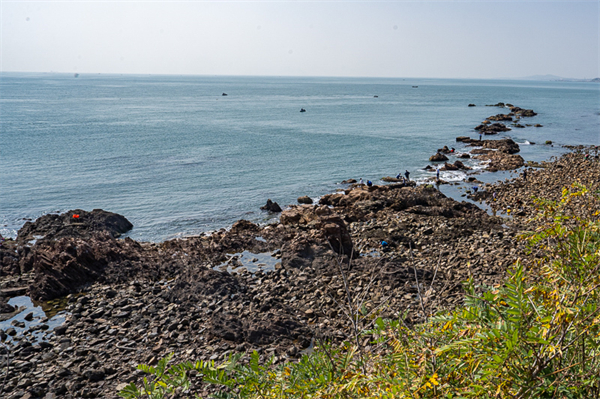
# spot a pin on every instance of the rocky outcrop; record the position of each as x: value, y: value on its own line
x: 271, y: 206
x: 522, y: 112
x: 305, y: 200
x: 457, y: 165
x: 500, y: 118
x: 438, y: 157
x: 501, y: 161
x: 507, y: 145
x: 75, y: 223
x: 493, y: 128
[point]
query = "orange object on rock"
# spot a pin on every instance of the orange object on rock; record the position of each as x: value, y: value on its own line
x: 76, y: 216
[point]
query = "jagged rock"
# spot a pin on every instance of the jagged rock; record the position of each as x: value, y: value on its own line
x: 271, y: 206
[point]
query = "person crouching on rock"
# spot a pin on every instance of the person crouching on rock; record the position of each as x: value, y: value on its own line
x: 369, y: 183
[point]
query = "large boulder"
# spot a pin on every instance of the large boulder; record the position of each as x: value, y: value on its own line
x: 331, y: 226
x: 74, y: 223
x: 438, y: 158
x: 271, y: 206
x: 507, y: 146
x: 305, y: 200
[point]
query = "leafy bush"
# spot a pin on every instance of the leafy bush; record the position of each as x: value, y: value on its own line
x: 537, y: 336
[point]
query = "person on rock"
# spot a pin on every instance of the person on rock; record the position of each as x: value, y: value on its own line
x: 369, y: 183
x: 360, y: 181
x: 524, y: 174
x: 407, y: 174
x: 437, y: 173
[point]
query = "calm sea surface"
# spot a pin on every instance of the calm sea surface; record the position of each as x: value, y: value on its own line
x: 176, y: 157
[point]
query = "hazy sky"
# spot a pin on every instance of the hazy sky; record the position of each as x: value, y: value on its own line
x: 445, y: 39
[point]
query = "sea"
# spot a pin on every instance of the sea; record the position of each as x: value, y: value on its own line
x: 186, y: 155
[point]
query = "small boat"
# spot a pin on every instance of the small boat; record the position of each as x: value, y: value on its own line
x: 302, y: 110
x: 415, y: 87
x: 224, y: 94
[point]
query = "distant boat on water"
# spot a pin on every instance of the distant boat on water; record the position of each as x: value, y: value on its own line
x: 302, y: 110
x: 415, y: 87
x: 76, y: 75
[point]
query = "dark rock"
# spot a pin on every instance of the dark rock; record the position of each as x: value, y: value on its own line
x: 471, y: 105
x: 438, y: 158
x: 500, y: 117
x: 305, y: 200
x: 493, y: 128
x: 61, y: 330
x: 94, y: 374
x: 53, y: 226
x: 464, y: 139
x: 349, y: 181
x: 271, y: 206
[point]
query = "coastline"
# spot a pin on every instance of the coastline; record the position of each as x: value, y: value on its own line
x: 142, y: 301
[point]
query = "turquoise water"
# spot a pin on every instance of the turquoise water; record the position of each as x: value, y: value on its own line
x: 176, y: 157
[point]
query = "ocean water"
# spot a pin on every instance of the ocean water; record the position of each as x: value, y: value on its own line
x: 177, y: 158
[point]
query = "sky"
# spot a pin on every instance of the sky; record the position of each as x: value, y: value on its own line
x: 435, y: 39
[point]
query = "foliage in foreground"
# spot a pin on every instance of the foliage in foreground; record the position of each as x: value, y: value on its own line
x: 536, y: 336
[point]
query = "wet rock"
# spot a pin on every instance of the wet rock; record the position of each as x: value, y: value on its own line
x: 271, y: 206
x: 438, y: 157
x: 305, y: 200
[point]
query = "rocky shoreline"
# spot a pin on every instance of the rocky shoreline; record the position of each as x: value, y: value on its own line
x: 273, y: 289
